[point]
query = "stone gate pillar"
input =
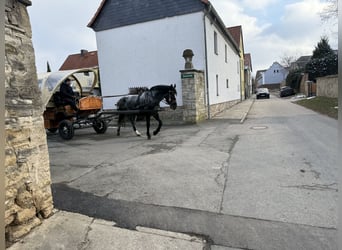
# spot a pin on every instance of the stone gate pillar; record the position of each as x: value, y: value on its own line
x: 193, y: 91
x: 28, y: 197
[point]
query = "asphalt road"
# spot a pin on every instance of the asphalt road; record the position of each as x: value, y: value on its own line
x: 269, y: 183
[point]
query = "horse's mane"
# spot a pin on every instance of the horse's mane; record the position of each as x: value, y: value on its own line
x: 159, y: 87
x: 162, y: 87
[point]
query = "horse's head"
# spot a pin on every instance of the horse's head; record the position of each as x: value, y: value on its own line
x: 170, y: 97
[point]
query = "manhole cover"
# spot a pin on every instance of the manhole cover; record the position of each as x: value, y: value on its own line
x: 259, y: 127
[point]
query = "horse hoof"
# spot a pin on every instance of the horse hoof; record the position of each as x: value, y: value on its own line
x: 137, y: 133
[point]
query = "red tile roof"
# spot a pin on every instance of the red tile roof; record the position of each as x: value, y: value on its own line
x: 236, y: 32
x: 84, y: 59
x: 248, y: 60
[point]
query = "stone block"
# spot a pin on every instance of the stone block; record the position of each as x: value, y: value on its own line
x: 25, y: 215
x: 20, y: 136
x: 47, y: 212
x: 16, y: 232
x: 9, y: 219
x: 11, y: 208
x: 11, y: 192
x: 24, y: 199
x: 10, y: 157
x: 13, y: 176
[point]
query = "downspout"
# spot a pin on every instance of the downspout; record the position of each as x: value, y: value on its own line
x: 206, y: 61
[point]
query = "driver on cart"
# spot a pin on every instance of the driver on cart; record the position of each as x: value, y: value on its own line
x: 68, y: 96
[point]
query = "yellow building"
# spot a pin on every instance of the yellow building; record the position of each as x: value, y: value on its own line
x: 237, y: 35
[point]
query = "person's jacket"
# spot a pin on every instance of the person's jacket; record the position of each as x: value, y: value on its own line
x: 66, y: 92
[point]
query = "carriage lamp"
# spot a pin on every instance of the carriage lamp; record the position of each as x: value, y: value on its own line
x: 188, y: 54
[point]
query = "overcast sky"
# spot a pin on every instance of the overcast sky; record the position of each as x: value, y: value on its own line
x: 271, y: 29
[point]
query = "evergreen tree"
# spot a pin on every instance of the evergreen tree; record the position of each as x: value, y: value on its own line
x: 323, y: 61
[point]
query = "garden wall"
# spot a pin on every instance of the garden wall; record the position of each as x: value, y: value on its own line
x: 327, y: 86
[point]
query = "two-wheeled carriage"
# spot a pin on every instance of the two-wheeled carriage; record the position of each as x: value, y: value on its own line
x: 60, y: 116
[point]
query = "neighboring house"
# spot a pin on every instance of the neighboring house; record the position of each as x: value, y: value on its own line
x: 300, y: 63
x: 237, y: 35
x: 272, y: 77
x: 248, y: 75
x: 84, y: 59
x: 141, y: 43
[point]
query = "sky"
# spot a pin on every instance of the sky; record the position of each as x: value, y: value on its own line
x: 272, y: 29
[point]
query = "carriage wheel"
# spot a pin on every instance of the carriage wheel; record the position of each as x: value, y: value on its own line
x: 66, y: 130
x: 100, y: 126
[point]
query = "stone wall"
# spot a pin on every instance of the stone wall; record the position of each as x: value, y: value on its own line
x: 327, y: 86
x: 28, y: 197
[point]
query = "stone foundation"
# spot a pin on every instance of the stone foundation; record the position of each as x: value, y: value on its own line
x: 28, y: 197
x: 218, y: 108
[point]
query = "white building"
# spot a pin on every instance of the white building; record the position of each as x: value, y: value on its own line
x: 141, y: 42
x: 272, y: 77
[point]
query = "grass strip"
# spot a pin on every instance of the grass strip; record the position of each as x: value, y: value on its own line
x: 323, y: 105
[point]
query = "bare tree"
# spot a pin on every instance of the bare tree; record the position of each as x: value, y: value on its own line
x: 286, y: 60
x: 330, y: 12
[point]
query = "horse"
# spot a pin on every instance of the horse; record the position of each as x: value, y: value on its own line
x: 146, y: 103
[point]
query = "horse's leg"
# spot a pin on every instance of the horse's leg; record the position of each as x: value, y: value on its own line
x: 156, y: 116
x: 133, y: 118
x: 148, y: 121
x: 120, y: 119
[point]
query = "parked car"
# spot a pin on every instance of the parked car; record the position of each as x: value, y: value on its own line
x: 262, y: 93
x: 286, y: 91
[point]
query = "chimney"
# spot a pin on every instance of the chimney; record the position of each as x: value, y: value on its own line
x: 84, y: 52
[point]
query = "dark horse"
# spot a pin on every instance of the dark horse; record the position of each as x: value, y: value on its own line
x: 147, y: 104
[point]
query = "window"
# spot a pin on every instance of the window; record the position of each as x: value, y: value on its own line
x: 227, y: 83
x: 225, y: 53
x: 215, y: 43
x: 217, y: 86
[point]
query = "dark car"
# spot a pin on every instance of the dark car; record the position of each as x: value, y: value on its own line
x: 286, y: 91
x: 262, y: 93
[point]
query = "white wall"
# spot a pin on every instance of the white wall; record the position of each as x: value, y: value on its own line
x: 218, y: 66
x: 148, y: 54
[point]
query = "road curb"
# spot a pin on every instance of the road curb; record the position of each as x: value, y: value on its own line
x: 246, y: 113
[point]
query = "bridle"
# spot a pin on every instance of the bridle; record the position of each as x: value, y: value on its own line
x: 170, y: 99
